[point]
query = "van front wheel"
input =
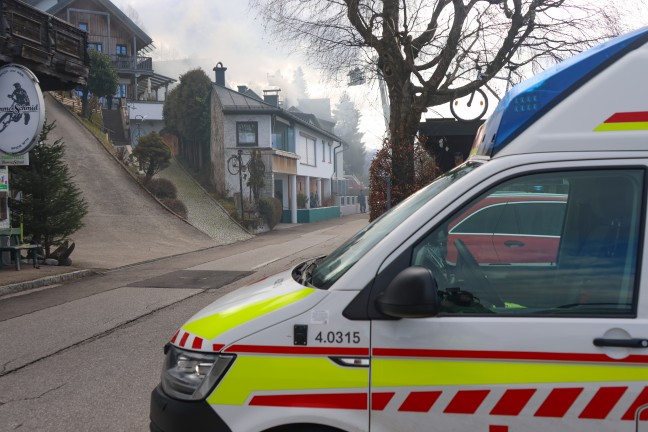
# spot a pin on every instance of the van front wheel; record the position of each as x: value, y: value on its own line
x: 304, y: 428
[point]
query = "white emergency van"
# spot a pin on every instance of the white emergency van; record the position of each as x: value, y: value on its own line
x: 387, y: 333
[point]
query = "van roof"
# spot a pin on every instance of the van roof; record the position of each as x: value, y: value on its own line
x: 586, y: 74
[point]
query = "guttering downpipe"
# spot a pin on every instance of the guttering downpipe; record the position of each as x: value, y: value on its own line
x: 335, y: 160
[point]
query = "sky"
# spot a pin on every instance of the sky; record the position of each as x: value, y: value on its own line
x: 226, y: 31
x: 211, y: 31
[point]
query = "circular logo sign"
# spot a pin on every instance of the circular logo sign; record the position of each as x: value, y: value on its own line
x: 22, y: 111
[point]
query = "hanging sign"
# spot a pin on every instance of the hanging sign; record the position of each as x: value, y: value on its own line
x: 22, y: 111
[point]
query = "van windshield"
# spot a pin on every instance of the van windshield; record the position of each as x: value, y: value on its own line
x: 326, y: 271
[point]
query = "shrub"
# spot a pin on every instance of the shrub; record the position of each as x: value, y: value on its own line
x: 271, y: 210
x: 161, y: 188
x: 176, y: 206
x: 152, y: 154
x: 301, y: 200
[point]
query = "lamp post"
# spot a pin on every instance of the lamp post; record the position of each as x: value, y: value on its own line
x: 235, y: 166
x: 254, y: 167
x: 138, y: 134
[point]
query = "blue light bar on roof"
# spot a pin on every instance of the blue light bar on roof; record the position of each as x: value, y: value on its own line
x: 528, y: 101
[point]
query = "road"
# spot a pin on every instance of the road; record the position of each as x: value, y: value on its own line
x: 85, y: 356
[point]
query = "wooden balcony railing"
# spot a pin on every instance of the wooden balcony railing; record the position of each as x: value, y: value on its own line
x: 52, y: 48
x: 130, y: 64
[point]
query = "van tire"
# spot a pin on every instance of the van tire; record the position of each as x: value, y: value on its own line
x: 304, y: 428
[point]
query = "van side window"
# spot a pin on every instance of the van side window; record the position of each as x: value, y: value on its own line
x: 558, y: 244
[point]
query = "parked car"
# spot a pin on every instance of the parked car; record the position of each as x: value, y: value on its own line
x: 510, y: 228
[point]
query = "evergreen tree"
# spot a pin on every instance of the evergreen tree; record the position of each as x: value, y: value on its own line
x: 347, y: 124
x: 187, y: 113
x: 102, y: 79
x: 52, y: 206
x: 152, y: 154
x: 299, y: 82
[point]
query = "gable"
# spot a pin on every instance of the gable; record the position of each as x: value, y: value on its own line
x: 75, y: 11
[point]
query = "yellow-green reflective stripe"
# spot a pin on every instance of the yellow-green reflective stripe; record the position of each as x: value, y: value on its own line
x: 611, y: 127
x: 255, y: 373
x: 211, y: 326
x: 398, y: 373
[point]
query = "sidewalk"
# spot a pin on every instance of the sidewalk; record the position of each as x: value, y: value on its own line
x: 28, y: 277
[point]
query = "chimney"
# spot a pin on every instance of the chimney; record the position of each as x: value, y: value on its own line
x: 220, y: 74
x: 271, y: 97
x: 242, y: 89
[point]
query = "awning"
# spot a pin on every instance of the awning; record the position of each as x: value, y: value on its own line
x: 157, y: 81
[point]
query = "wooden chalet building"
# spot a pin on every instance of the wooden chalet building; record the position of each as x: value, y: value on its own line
x: 52, y: 49
x: 112, y: 32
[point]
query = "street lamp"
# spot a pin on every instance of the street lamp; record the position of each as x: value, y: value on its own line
x: 235, y: 166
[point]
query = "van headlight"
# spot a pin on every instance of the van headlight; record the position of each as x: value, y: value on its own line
x: 189, y: 375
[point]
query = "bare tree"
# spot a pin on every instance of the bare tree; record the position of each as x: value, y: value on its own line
x: 426, y: 50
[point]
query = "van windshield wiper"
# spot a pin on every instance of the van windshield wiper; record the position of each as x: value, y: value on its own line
x: 304, y: 273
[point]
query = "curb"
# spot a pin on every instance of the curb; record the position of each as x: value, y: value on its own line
x: 49, y: 280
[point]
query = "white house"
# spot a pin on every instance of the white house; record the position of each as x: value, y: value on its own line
x: 303, y: 160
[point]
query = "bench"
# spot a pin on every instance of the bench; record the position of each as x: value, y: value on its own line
x: 16, y: 253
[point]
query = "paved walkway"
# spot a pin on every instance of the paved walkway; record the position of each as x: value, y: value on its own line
x: 203, y: 211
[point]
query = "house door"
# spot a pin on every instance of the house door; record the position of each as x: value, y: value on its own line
x: 278, y: 191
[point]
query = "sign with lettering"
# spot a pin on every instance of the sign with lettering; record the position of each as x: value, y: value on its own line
x: 7, y: 159
x: 22, y: 111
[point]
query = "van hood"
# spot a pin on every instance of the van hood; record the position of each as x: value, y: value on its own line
x: 246, y: 311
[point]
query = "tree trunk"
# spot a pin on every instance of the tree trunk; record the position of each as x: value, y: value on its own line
x: 403, y: 127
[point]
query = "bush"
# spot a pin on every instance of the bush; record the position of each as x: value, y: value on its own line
x: 152, y: 154
x: 301, y: 201
x: 271, y: 210
x: 162, y: 188
x: 176, y: 206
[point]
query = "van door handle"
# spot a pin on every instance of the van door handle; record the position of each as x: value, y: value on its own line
x: 625, y: 343
x: 513, y: 243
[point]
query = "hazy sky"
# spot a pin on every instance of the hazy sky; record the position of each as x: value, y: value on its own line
x: 208, y: 31
x: 212, y: 31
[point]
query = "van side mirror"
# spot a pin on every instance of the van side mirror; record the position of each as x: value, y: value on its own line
x: 411, y: 294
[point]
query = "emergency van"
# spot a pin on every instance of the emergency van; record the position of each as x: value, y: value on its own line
x: 388, y: 334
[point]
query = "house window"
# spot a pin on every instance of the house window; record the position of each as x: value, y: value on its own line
x: 83, y: 26
x: 307, y: 150
x: 329, y: 152
x: 280, y: 136
x: 97, y: 46
x: 121, y: 91
x: 121, y: 50
x: 247, y: 134
x: 323, y: 151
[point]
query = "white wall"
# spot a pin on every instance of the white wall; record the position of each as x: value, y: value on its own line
x: 149, y: 110
x: 320, y: 168
x: 264, y: 128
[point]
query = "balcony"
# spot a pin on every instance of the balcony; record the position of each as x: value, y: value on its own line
x: 139, y: 64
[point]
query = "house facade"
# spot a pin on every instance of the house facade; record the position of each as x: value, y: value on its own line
x: 112, y: 32
x: 302, y: 160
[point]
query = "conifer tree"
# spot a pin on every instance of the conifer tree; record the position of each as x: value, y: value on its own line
x: 347, y: 127
x: 52, y: 206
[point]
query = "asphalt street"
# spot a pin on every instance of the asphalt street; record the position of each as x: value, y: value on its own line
x: 85, y: 355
